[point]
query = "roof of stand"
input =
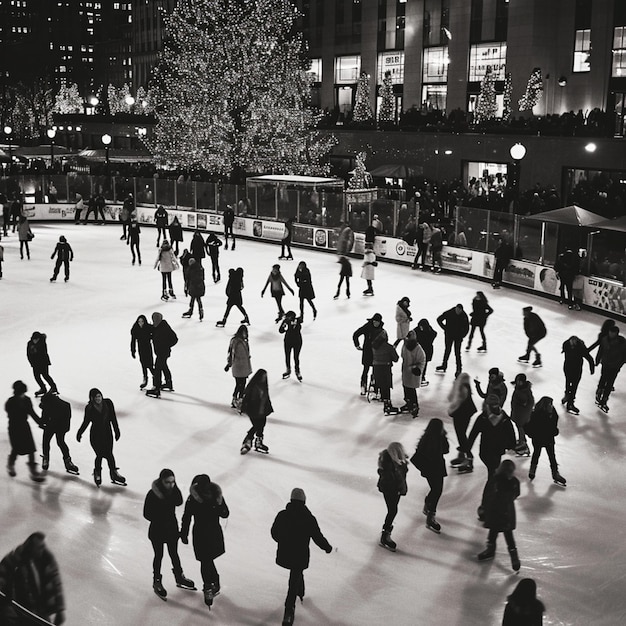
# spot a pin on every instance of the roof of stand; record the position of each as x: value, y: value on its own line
x: 619, y: 224
x: 569, y: 215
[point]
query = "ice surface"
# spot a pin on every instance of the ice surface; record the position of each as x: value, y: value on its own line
x: 323, y: 437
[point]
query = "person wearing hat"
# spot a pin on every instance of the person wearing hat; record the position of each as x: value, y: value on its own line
x: 522, y: 403
x: 37, y: 354
x: 368, y: 273
x: 455, y: 324
x: 213, y: 244
x: 575, y: 352
x: 535, y: 330
x: 229, y: 220
x: 163, y: 340
x: 64, y: 254
x: 132, y: 240
x: 292, y: 530
x: 403, y: 319
x: 367, y: 331
x: 160, y: 219
x: 495, y: 385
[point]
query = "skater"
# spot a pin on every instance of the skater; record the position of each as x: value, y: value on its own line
x: 413, y: 364
x: 291, y: 326
x: 78, y: 208
x: 163, y: 339
x: 141, y: 341
x: 166, y: 263
x: 1, y: 259
x: 132, y: 240
x: 403, y: 319
x: 292, y: 530
x: 497, y: 436
x: 55, y: 416
x: 275, y: 280
x: 436, y: 246
x: 159, y: 508
x: 91, y: 208
x: 185, y: 257
x: 100, y: 205
x: 503, y: 255
x: 234, y: 287
x: 17, y: 207
x: 523, y: 608
x: 478, y: 318
x: 19, y: 407
x: 305, y: 288
x: 239, y: 361
x: 384, y: 355
x: 256, y: 404
x: 160, y: 219
x: 213, y: 243
x: 567, y: 267
x: 176, y: 234
x: 495, y: 385
x: 29, y: 576
x: 285, y: 242
x: 428, y: 459
x: 455, y: 326
x: 345, y: 241
x: 542, y: 429
x: 422, y: 240
x: 522, y: 403
x: 197, y: 246
x: 461, y: 407
x: 611, y: 355
x: 229, y: 220
x: 535, y: 330
x: 368, y: 273
x: 369, y: 330
x: 64, y: 254
x: 345, y: 273
x: 392, y: 470
x: 100, y: 416
x: 500, y: 512
x: 127, y: 213
x: 37, y: 354
x: 575, y: 351
x: 195, y: 288
x: 604, y: 332
x: 25, y: 235
x: 425, y: 335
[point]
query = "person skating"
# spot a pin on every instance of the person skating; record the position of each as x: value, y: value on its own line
x: 436, y: 246
x: 37, y: 354
x: 185, y: 257
x: 428, y: 459
x: 176, y: 234
x: 141, y: 342
x: 91, y: 208
x: 496, y: 385
x: 195, y: 288
x: 461, y: 407
x: 422, y: 241
x: 229, y: 220
x: 292, y: 530
x: 19, y: 408
x: 212, y: 244
x: 291, y: 326
x: 369, y: 330
x: 535, y: 330
x: 132, y: 240
x: 413, y: 364
x: 275, y: 281
x: 392, y: 471
x: 238, y: 361
x: 425, y: 335
x: 612, y: 356
x: 304, y: 282
x: 368, y: 271
x: 481, y: 310
x: 100, y: 417
x: 127, y: 213
x: 25, y: 235
x: 567, y: 267
x: 163, y: 340
x: 64, y: 254
x: 345, y: 273
x: 502, y: 258
x: 285, y: 242
x: 100, y: 205
x: 159, y: 508
x: 384, y: 355
x: 234, y: 287
x: 55, y: 416
x: 205, y: 506
x: 160, y: 220
x: 256, y: 404
x: 542, y: 428
x: 523, y: 608
x: 604, y: 332
x: 1, y: 259
x: 500, y: 517
x: 575, y: 352
x: 522, y: 403
x: 345, y: 241
x: 197, y: 246
x: 403, y: 319
x: 455, y: 326
x: 166, y: 263
x: 79, y: 207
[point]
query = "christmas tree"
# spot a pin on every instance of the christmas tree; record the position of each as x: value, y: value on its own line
x: 362, y: 108
x: 534, y: 91
x: 486, y: 106
x: 386, y: 113
x: 506, y: 103
x: 231, y: 91
x: 68, y: 100
x: 361, y: 178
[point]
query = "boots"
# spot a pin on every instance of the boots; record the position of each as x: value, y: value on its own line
x: 459, y: 459
x: 246, y: 446
x: 11, y: 467
x: 183, y: 582
x: 144, y: 384
x: 34, y: 473
x: 466, y: 467
x: 154, y: 393
x: 432, y: 523
x: 158, y: 587
x: 97, y: 476
x: 386, y: 541
x: 201, y: 312
x: 70, y: 468
x: 515, y: 564
x: 557, y: 478
x: 187, y: 314
x: 45, y: 463
x: 164, y: 296
x: 488, y: 553
x: 389, y: 409
x: 221, y: 324
x: 289, y: 616
x: 172, y: 294
x: 482, y: 348
x: 259, y: 446
x: 117, y: 478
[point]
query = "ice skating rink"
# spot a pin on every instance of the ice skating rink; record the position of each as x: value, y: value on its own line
x: 323, y: 437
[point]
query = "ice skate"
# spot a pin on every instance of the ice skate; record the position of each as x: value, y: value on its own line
x: 40, y: 392
x: 405, y: 408
x: 467, y: 467
x: 172, y: 294
x: 97, y: 477
x: 458, y: 460
x: 432, y: 523
x: 288, y: 617
x: 299, y: 376
x: 11, y: 468
x: 221, y: 324
x: 604, y: 407
x: 537, y: 362
x: 168, y: 386
x: 488, y: 553
x: 522, y: 449
x: 441, y: 369
x: 245, y: 321
x: 208, y: 597
x: 183, y: 582
x: 70, y: 468
x: 336, y: 296
x: 35, y: 476
x: 201, y: 313
x: 482, y: 348
x: 164, y: 297
x: 153, y: 393
x: 144, y: 384
x: 187, y: 314
x: 523, y: 359
x: 368, y: 292
x: 387, y: 542
x: 363, y: 390
x: 558, y: 479
x: 571, y: 408
x: 246, y: 446
x: 515, y: 564
x: 259, y: 446
x: 389, y: 409
x: 45, y: 463
x: 158, y: 588
x: 424, y: 383
x: 286, y: 374
x: 117, y: 478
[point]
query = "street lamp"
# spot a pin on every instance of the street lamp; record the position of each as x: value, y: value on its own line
x: 517, y: 152
x: 51, y: 132
x: 106, y: 140
x: 7, y: 131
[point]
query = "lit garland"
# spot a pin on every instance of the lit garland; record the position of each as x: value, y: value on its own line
x: 534, y: 91
x: 386, y: 113
x: 361, y: 178
x: 506, y: 102
x: 68, y: 100
x: 362, y: 109
x: 231, y: 88
x: 486, y: 105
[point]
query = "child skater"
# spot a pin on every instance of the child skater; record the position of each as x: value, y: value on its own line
x: 291, y: 327
x: 239, y: 361
x: 345, y: 273
x: 275, y: 280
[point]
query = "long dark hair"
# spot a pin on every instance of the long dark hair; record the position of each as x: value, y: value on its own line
x: 434, y: 431
x: 525, y: 594
x: 258, y: 380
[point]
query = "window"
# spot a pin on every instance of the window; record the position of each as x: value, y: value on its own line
x: 435, y: 96
x: 316, y: 70
x: 347, y: 69
x: 435, y: 69
x: 582, y: 50
x: 391, y: 62
x: 619, y: 52
x: 484, y: 54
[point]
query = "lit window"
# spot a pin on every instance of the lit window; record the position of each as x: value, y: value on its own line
x: 487, y: 54
x: 619, y: 52
x: 582, y: 50
x: 347, y: 69
x: 316, y: 70
x: 435, y: 68
x: 393, y: 62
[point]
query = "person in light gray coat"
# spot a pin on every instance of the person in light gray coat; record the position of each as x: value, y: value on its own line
x: 413, y: 364
x: 166, y: 263
x: 239, y: 363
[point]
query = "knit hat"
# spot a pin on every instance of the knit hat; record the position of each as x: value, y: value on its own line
x: 62, y: 239
x: 377, y: 317
x: 36, y: 335
x: 527, y: 309
x: 165, y: 473
x: 495, y: 371
x: 298, y: 494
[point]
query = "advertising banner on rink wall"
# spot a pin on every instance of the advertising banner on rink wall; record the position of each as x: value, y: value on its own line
x: 604, y: 294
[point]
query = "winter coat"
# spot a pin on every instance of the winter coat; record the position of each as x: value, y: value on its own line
x: 412, y: 358
x: 195, y: 280
x: 391, y: 476
x: 18, y: 409
x: 496, y: 437
x: 140, y: 340
x: 346, y: 267
x: 522, y: 403
x: 128, y: 209
x: 239, y: 357
x: 523, y: 615
x: 403, y: 320
x: 159, y: 508
x: 196, y: 247
x: 543, y: 427
x: 480, y: 312
x: 428, y: 457
x: 275, y: 282
x: 37, y: 353
x: 256, y: 402
x: 573, y: 356
x: 368, y: 272
x: 612, y: 353
x: 166, y: 261
x: 503, y: 254
x: 436, y: 240
x: 212, y: 245
x: 103, y: 425
x: 461, y: 404
x: 163, y: 338
x: 496, y: 387
x: 426, y: 339
x: 500, y: 503
x: 234, y: 287
x: 567, y: 265
x: 534, y: 327
x: 176, y: 231
x: 288, y: 232
x: 207, y: 534
x: 228, y: 217
x: 367, y: 331
x: 134, y: 230
x: 160, y: 217
x: 305, y: 285
x: 292, y: 530
x: 345, y: 241
x: 64, y: 251
x: 23, y: 231
x: 453, y: 324
x: 55, y: 414
x: 292, y: 330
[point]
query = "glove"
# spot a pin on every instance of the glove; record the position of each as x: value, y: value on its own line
x: 184, y: 539
x: 227, y: 368
x: 329, y: 550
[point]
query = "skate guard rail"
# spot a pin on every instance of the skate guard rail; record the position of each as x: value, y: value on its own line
x: 27, y: 617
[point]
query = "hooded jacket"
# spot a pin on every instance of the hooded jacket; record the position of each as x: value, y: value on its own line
x: 159, y: 508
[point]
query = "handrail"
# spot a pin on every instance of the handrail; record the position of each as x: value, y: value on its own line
x: 30, y: 617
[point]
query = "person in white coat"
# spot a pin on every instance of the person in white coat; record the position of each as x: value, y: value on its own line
x: 166, y: 263
x: 368, y: 271
x: 413, y: 363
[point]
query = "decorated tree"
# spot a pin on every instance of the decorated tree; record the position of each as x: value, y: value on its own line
x: 486, y: 105
x: 506, y: 102
x: 361, y: 178
x: 231, y: 92
x: 386, y: 113
x: 68, y: 100
x: 362, y: 108
x: 534, y: 91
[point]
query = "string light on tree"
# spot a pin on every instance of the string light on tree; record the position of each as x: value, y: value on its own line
x: 361, y: 178
x: 506, y: 101
x: 386, y: 114
x: 362, y: 108
x: 486, y: 106
x: 534, y: 91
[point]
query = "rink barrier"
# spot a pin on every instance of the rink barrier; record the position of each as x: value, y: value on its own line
x: 596, y: 293
x: 27, y: 617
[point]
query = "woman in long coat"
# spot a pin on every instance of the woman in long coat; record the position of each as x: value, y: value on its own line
x: 205, y: 505
x: 425, y: 334
x: 25, y: 234
x: 195, y: 287
x: 176, y: 234
x: 238, y: 360
x: 141, y: 341
x: 413, y: 364
x: 100, y: 414
x: 403, y: 319
x: 384, y: 355
x: 305, y: 288
x: 522, y: 403
x: 166, y: 263
x: 19, y: 407
x: 256, y: 404
x: 461, y: 407
x: 392, y: 471
x: 234, y: 287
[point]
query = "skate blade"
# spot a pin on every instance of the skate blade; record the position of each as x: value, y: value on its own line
x: 187, y: 588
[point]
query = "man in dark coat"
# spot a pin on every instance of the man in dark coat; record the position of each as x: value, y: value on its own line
x: 567, y: 267
x: 612, y: 356
x: 368, y: 331
x: 37, y: 354
x: 229, y: 220
x: 163, y: 339
x: 56, y: 415
x: 64, y: 255
x: 535, y: 330
x: 455, y: 324
x: 293, y: 529
x: 503, y: 255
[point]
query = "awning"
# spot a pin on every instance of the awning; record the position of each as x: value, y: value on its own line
x: 569, y: 216
x: 618, y: 224
x: 392, y: 171
x: 115, y: 156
